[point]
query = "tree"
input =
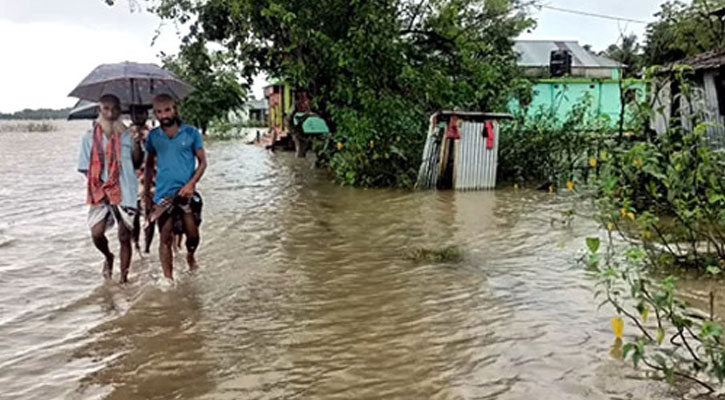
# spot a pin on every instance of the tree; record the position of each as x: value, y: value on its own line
x: 372, y: 69
x: 216, y: 82
x: 628, y: 53
x: 683, y: 30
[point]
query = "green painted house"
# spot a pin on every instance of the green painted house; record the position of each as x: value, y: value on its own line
x: 593, y: 78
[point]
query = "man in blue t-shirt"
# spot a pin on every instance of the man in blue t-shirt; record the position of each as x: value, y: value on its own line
x: 176, y: 148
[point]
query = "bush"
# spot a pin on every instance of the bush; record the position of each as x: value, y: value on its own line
x: 538, y: 147
x: 679, y: 342
x: 379, y: 145
x: 666, y: 191
x: 663, y: 193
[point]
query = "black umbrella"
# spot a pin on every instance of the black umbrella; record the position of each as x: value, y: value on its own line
x: 132, y: 83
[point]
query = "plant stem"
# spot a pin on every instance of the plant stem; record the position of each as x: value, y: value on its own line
x: 681, y: 375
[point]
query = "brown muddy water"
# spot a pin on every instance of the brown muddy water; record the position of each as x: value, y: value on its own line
x: 306, y: 292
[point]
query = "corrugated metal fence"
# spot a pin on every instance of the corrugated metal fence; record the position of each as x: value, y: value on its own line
x: 475, y: 165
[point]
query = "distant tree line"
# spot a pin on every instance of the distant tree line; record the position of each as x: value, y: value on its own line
x: 41, y: 113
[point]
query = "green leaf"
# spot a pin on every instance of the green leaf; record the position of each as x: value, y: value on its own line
x: 713, y: 270
x: 626, y: 349
x: 593, y: 244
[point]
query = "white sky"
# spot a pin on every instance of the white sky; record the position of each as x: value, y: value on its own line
x: 49, y: 46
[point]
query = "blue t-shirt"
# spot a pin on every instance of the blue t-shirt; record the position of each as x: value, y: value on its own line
x: 127, y: 179
x: 175, y: 158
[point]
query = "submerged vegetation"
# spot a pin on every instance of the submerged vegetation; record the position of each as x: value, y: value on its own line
x: 42, y: 126
x: 437, y: 255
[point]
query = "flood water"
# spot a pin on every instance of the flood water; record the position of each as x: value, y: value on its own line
x: 307, y: 291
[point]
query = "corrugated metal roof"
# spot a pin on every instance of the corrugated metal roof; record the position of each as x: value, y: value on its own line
x: 536, y: 53
x: 708, y: 60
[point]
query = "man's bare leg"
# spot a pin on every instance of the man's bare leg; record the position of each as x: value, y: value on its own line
x: 137, y: 231
x: 166, y: 240
x: 98, y: 234
x: 124, y: 237
x: 148, y: 235
x: 192, y: 240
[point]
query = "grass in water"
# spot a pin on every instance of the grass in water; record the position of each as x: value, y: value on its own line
x: 444, y: 254
x: 29, y: 127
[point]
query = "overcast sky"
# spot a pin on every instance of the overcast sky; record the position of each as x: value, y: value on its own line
x: 48, y: 46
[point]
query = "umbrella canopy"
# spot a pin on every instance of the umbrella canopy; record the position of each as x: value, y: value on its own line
x: 312, y: 124
x: 132, y: 83
x: 84, y: 109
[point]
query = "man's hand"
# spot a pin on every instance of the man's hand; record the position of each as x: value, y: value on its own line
x: 187, y: 191
x: 138, y: 132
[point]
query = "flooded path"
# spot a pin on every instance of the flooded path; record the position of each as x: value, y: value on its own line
x: 306, y: 292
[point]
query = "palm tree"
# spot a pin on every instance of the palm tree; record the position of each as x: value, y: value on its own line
x: 628, y: 53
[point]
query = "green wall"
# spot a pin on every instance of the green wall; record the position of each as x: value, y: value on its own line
x: 558, y: 96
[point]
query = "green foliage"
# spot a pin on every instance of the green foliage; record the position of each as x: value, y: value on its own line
x: 217, y: 87
x: 664, y: 193
x: 694, y: 350
x: 628, y: 52
x: 414, y: 57
x: 539, y: 147
x: 374, y: 145
x: 666, y: 190
x: 683, y: 29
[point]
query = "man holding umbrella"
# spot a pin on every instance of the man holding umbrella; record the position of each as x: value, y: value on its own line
x: 175, y: 148
x: 109, y: 157
x: 110, y: 153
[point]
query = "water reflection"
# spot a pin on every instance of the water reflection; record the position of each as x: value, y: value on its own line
x: 153, y: 351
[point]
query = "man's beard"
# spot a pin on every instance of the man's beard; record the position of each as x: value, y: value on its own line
x: 109, y: 126
x: 169, y: 122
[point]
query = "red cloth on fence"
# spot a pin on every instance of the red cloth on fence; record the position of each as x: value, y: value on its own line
x: 452, y: 131
x: 489, y: 135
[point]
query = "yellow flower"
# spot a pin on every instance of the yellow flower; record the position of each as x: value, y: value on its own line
x: 617, y: 327
x: 372, y: 144
x: 610, y: 226
x: 592, y: 162
x: 339, y: 145
x: 570, y: 185
x: 638, y: 162
x: 551, y: 189
x: 623, y: 211
x: 630, y: 215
